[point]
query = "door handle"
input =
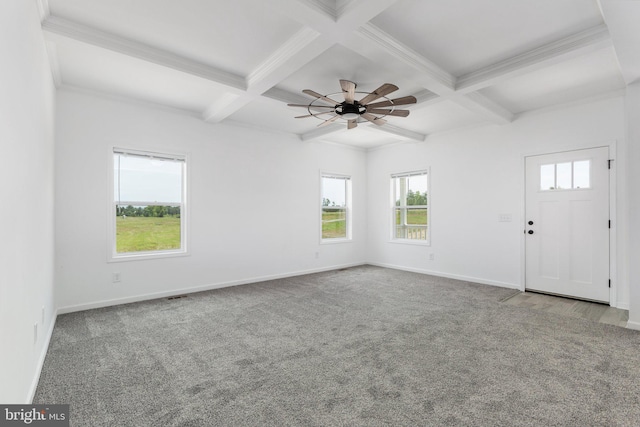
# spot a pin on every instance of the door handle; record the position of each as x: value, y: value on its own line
x: 530, y: 231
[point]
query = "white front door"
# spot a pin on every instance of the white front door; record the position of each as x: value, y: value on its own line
x: 567, y: 224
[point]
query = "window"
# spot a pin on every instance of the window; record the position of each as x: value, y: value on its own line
x: 566, y: 175
x: 410, y: 212
x: 336, y: 207
x: 148, y: 204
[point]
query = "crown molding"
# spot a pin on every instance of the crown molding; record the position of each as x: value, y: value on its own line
x: 52, y: 54
x: 577, y: 44
x: 261, y: 129
x: 73, y: 30
x: 442, y: 80
x: 128, y: 100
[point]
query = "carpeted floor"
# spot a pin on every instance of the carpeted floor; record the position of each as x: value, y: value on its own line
x: 362, y: 346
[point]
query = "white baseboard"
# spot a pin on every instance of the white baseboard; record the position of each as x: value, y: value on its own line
x: 623, y: 306
x: 190, y: 290
x: 449, y: 276
x: 43, y: 354
x: 633, y: 325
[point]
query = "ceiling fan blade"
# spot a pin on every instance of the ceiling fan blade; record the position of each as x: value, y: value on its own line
x: 398, y: 101
x: 348, y: 90
x: 351, y: 124
x: 322, y: 108
x: 373, y: 119
x: 383, y: 90
x: 313, y: 115
x: 319, y: 96
x: 387, y: 112
x: 331, y: 120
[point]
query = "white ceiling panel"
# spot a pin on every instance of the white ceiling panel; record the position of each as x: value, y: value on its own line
x: 90, y: 67
x: 584, y: 76
x: 438, y: 117
x: 465, y: 35
x: 235, y: 36
x: 324, y: 72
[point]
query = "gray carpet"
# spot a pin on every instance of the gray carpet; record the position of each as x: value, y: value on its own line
x: 362, y: 346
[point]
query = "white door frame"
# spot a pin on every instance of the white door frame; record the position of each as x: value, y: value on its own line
x: 613, y: 254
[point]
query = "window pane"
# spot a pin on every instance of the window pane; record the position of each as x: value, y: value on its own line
x: 547, y: 177
x: 334, y: 207
x: 334, y: 223
x: 334, y: 192
x: 416, y: 190
x: 410, y: 223
x: 148, y: 200
x: 146, y: 179
x: 147, y: 228
x: 581, y: 172
x: 563, y: 178
x: 416, y: 216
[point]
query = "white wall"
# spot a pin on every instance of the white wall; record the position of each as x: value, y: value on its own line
x: 477, y: 174
x: 26, y: 220
x: 254, y: 202
x: 632, y: 240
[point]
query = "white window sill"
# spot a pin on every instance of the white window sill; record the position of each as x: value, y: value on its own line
x: 142, y: 256
x: 411, y: 242
x: 335, y: 241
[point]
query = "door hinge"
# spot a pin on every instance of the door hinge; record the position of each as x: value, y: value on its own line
x: 609, y: 223
x: 609, y: 163
x: 609, y: 282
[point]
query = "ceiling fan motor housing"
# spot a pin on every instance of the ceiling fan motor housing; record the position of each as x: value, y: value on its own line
x: 350, y: 111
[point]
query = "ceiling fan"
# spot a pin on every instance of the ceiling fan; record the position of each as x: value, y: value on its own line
x: 351, y: 109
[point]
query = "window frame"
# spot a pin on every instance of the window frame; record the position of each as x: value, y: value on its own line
x: 348, y: 208
x: 393, y: 207
x: 113, y: 255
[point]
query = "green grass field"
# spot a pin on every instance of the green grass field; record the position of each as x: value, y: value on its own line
x: 414, y: 217
x: 334, y: 225
x: 136, y: 234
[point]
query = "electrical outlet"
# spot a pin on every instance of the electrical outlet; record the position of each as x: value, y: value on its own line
x: 42, y: 312
x: 317, y: 255
x: 432, y: 257
x: 35, y: 333
x: 115, y: 278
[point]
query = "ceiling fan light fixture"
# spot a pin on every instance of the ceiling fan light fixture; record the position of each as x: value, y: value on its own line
x: 350, y: 116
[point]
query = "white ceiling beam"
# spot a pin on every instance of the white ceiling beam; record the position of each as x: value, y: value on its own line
x: 397, y: 131
x: 356, y: 13
x: 285, y: 96
x: 621, y: 18
x: 577, y: 44
x: 485, y: 107
x: 69, y: 29
x: 300, y: 49
x: 43, y: 9
x: 320, y: 132
x: 382, y: 48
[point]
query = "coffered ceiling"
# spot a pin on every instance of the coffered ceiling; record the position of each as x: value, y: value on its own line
x: 240, y: 62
